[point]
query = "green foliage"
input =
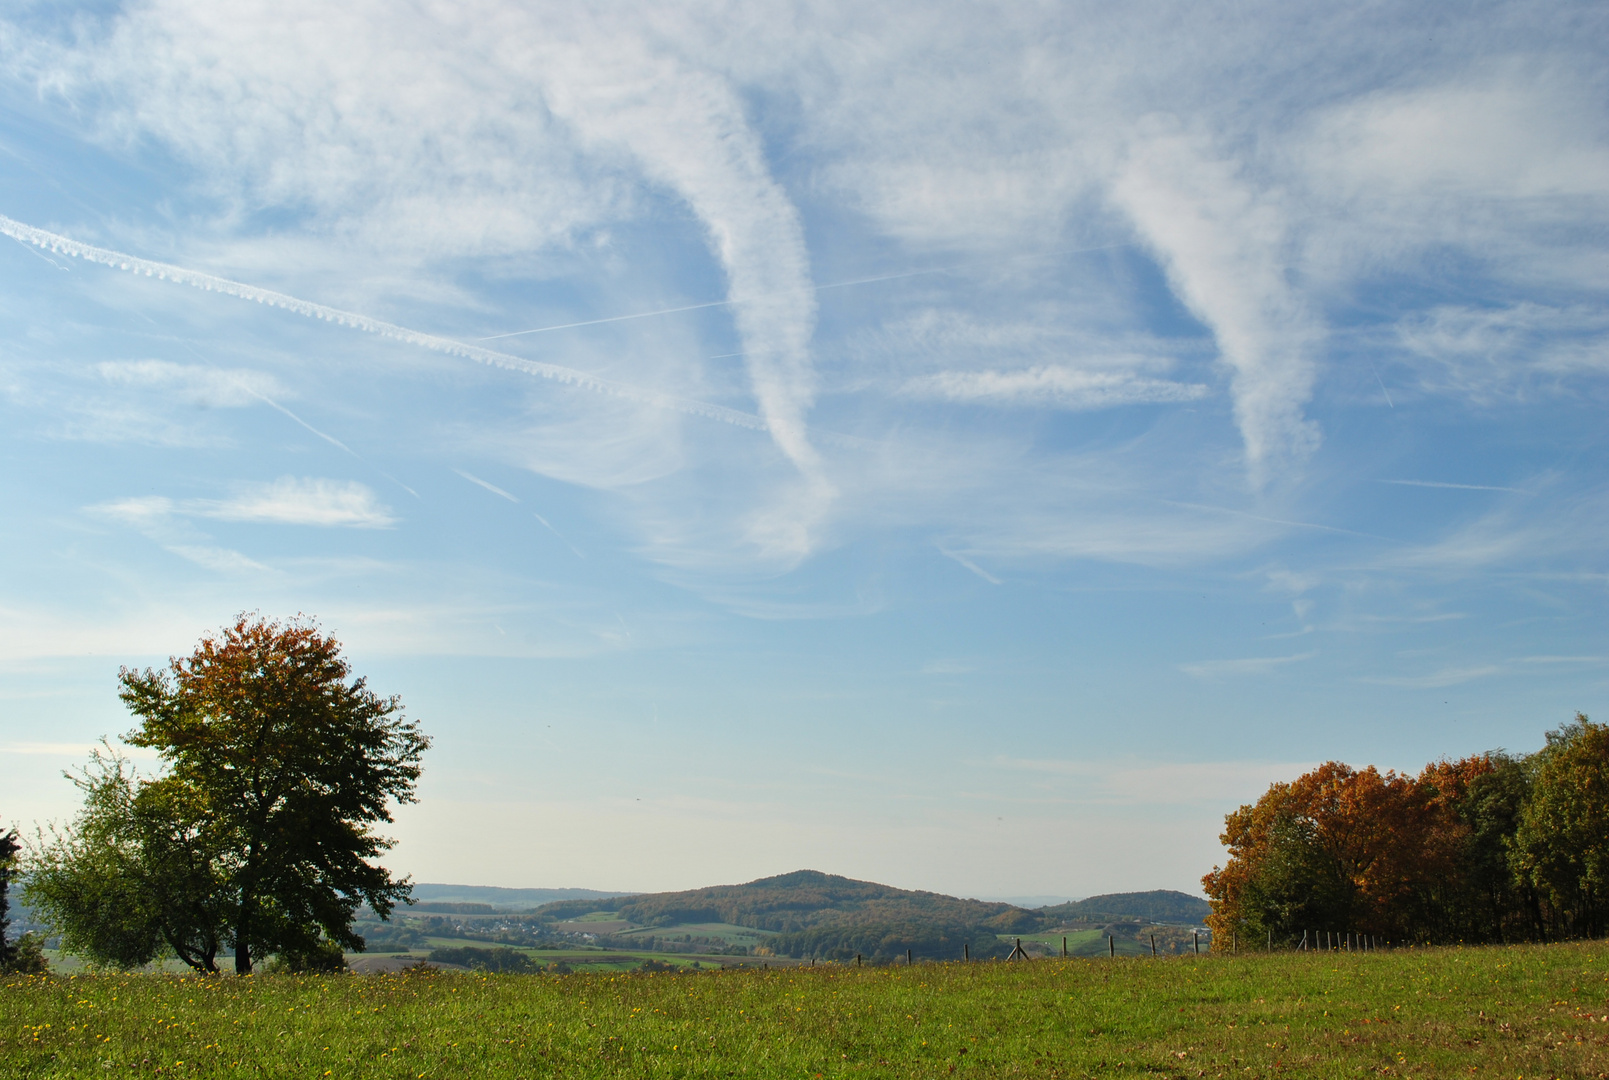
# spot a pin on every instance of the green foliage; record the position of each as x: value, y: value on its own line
x: 138, y: 873
x: 24, y: 956
x: 9, y: 850
x: 27, y: 957
x: 880, y: 943
x: 1301, y: 886
x: 502, y: 961
x: 1514, y: 1011
x: 1561, y: 845
x: 393, y: 937
x: 650, y: 966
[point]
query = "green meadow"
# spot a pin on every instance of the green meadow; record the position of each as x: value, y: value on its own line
x: 1519, y: 1011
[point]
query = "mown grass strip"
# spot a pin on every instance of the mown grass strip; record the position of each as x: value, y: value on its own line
x: 1523, y: 1011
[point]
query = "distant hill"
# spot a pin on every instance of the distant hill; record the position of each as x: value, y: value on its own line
x: 1158, y: 906
x: 502, y: 898
x: 804, y: 899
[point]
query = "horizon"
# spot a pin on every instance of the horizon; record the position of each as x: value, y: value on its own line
x: 976, y: 448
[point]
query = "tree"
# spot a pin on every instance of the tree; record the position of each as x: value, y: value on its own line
x: 143, y: 867
x: 9, y: 849
x: 1561, y: 846
x: 259, y: 835
x: 25, y: 955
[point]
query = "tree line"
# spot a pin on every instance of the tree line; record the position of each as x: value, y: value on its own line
x: 1497, y: 847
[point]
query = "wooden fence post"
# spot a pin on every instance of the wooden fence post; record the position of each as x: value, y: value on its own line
x: 1195, y: 936
x: 1153, y: 944
x: 907, y: 958
x: 857, y: 959
x: 1064, y: 947
x: 966, y: 951
x: 1111, y: 946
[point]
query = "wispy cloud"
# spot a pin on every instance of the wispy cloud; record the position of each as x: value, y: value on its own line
x: 299, y: 501
x: 1561, y: 660
x: 1435, y: 680
x: 1225, y: 244
x: 1250, y: 665
x: 1053, y: 387
x: 287, y: 501
x: 195, y: 384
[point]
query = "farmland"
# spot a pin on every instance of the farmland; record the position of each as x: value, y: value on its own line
x: 1496, y: 1011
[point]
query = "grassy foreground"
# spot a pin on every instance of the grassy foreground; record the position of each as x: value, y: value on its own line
x: 1524, y: 1011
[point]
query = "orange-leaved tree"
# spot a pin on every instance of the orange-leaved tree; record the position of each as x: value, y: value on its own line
x: 1339, y: 850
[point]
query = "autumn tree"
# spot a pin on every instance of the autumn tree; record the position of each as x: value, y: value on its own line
x: 1342, y: 849
x: 260, y: 833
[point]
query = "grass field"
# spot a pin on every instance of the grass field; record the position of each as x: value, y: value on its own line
x: 1524, y: 1011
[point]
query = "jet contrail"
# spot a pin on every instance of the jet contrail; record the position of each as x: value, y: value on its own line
x: 27, y: 234
x: 812, y: 289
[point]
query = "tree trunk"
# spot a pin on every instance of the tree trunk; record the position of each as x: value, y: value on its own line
x: 243, y: 937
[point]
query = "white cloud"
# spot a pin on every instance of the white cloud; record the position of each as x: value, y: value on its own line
x: 287, y: 501
x: 1053, y: 387
x: 299, y: 501
x: 1250, y: 665
x: 1226, y: 246
x: 1451, y: 676
x: 485, y: 131
x: 195, y: 384
x: 402, y: 148
x: 1515, y: 350
x: 140, y: 511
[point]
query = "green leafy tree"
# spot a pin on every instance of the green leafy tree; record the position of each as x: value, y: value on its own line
x: 24, y: 955
x: 1562, y: 844
x: 260, y: 833
x: 142, y: 870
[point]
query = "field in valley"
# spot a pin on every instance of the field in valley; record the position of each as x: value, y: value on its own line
x: 1520, y: 1011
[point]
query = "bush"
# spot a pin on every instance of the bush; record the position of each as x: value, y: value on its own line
x: 27, y: 957
x: 501, y: 961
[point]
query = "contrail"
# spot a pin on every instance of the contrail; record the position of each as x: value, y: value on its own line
x: 813, y: 289
x: 493, y: 488
x: 27, y: 234
x: 1455, y: 487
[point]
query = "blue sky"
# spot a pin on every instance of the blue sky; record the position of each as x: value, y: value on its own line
x: 971, y: 447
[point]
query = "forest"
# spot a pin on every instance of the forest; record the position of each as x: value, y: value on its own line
x: 1496, y: 847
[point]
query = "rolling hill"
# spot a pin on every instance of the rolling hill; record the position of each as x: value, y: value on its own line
x: 798, y: 901
x: 500, y: 898
x: 804, y: 914
x: 1158, y: 906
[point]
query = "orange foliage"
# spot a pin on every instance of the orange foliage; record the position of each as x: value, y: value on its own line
x: 1379, y: 842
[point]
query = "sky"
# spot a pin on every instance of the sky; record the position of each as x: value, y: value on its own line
x: 972, y: 447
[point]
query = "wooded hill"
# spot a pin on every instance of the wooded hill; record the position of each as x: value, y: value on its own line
x: 808, y: 913
x: 798, y: 901
x: 1159, y: 906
